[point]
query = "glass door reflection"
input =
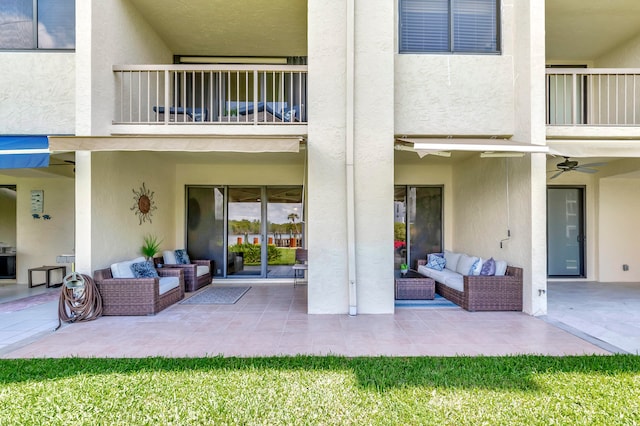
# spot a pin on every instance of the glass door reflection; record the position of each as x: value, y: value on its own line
x: 284, y: 229
x: 244, y: 232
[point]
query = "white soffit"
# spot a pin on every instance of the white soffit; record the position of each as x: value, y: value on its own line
x: 430, y: 145
x: 180, y: 144
x: 594, y: 148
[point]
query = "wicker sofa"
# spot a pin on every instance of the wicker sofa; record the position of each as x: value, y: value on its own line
x: 137, y: 296
x: 479, y: 292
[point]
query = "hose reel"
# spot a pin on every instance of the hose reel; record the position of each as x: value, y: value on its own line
x: 79, y: 299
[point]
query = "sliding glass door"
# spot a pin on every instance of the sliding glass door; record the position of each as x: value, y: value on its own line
x: 244, y: 231
x: 418, y: 223
x: 284, y: 229
x: 250, y: 232
x: 205, y: 225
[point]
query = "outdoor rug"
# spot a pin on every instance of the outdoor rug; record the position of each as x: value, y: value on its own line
x: 27, y: 302
x: 438, y: 302
x: 217, y: 296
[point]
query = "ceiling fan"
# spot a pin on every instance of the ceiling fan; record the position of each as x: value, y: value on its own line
x: 571, y: 165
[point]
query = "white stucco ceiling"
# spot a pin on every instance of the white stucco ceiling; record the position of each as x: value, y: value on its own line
x: 230, y: 28
x: 583, y: 30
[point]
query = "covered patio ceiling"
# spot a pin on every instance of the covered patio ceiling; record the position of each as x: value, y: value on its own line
x: 583, y: 30
x: 223, y: 28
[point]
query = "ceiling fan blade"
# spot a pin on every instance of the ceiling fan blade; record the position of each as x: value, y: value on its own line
x: 593, y: 165
x: 556, y: 175
x: 585, y: 170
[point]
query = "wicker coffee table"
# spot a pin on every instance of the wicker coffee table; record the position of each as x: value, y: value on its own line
x: 413, y: 285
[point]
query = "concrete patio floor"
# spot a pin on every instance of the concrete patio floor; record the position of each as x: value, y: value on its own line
x: 272, y: 320
x: 604, y: 312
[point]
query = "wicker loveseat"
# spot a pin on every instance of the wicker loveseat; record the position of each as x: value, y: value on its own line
x: 137, y: 296
x: 479, y: 292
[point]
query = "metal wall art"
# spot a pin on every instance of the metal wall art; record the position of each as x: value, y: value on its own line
x: 144, y: 204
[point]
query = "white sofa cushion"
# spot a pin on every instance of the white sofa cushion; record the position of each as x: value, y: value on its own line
x: 466, y: 264
x: 451, y: 259
x: 123, y: 269
x: 169, y: 257
x: 446, y: 277
x: 202, y: 270
x: 501, y: 267
x: 168, y: 283
x: 455, y: 282
x: 439, y: 276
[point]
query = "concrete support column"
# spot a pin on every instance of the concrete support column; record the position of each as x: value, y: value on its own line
x: 530, y: 127
x: 83, y: 245
x: 350, y: 156
x: 374, y: 153
x: 327, y: 195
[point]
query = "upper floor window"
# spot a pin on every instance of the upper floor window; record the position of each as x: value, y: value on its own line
x: 37, y: 24
x: 454, y: 26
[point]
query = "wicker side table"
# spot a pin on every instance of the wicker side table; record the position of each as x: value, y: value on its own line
x: 413, y: 285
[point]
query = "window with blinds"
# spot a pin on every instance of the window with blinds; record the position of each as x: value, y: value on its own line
x: 454, y: 26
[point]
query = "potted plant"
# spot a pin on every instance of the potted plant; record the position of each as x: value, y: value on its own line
x: 404, y: 268
x: 151, y: 246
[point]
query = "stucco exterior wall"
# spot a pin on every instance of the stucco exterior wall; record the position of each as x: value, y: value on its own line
x: 40, y: 98
x: 99, y: 48
x: 454, y: 95
x: 460, y: 94
x: 374, y: 154
x: 618, y: 229
x: 116, y: 177
x: 39, y: 241
x: 327, y: 202
x: 345, y: 115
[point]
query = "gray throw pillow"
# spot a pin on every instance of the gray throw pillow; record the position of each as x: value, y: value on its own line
x: 144, y: 270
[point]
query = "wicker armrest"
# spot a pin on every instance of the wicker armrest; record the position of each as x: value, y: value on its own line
x: 180, y: 266
x: 169, y: 272
x: 204, y: 262
x: 420, y: 262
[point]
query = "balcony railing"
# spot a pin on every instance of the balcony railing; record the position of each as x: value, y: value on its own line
x: 593, y: 97
x: 210, y: 94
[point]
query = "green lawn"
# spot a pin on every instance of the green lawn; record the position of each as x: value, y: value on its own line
x: 522, y: 390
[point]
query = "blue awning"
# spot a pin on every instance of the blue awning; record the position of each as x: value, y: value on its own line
x: 21, y: 151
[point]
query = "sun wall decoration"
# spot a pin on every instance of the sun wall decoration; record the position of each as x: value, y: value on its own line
x: 144, y: 204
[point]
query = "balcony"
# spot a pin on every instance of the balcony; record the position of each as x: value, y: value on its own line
x: 592, y: 102
x: 221, y: 95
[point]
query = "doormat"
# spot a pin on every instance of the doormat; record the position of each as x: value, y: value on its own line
x: 437, y: 302
x: 217, y: 296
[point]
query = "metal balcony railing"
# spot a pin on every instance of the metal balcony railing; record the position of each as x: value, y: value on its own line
x: 593, y: 97
x: 210, y: 94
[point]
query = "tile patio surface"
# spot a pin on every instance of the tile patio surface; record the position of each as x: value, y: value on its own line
x: 609, y: 312
x: 272, y: 320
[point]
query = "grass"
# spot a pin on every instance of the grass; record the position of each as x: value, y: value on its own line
x: 528, y: 390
